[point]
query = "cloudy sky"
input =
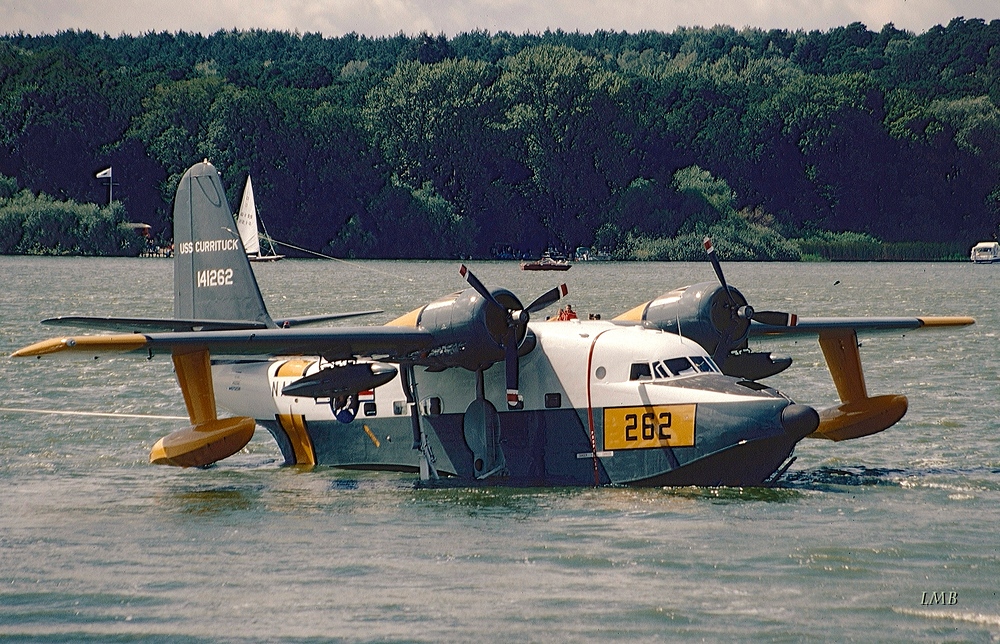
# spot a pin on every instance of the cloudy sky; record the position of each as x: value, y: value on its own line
x: 389, y: 17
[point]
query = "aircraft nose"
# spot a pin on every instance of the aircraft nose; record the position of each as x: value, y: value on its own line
x: 799, y: 420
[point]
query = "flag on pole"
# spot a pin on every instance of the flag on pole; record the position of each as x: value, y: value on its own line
x: 104, y: 174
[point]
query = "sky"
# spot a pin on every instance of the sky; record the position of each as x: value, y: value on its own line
x: 450, y: 17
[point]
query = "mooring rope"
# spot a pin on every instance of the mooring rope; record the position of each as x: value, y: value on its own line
x: 337, y: 259
x: 21, y: 410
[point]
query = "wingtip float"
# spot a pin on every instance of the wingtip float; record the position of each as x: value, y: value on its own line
x: 469, y: 386
x: 202, y: 445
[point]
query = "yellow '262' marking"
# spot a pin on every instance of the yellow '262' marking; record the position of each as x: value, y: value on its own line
x: 646, y: 427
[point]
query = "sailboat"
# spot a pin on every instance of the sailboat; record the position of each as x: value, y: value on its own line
x: 246, y: 224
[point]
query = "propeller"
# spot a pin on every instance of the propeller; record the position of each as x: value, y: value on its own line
x: 516, y: 319
x: 739, y: 313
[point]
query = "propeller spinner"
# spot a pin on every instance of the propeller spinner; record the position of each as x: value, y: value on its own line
x: 515, y: 321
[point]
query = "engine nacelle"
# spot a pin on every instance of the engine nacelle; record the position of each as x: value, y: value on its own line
x: 467, y: 331
x: 704, y: 313
x: 338, y: 380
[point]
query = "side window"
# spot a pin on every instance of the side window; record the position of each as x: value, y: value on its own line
x: 640, y: 371
x: 660, y: 370
x: 702, y: 364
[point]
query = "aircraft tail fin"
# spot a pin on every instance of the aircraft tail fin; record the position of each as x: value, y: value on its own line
x: 212, y: 275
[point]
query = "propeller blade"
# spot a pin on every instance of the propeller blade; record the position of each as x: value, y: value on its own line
x: 480, y: 287
x: 512, y: 366
x: 776, y: 318
x: 515, y: 318
x: 710, y: 249
x: 729, y: 340
x: 547, y: 298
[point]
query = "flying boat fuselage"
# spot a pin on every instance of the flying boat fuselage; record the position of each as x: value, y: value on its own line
x: 602, y: 402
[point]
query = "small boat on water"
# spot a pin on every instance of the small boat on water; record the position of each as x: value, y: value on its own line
x: 586, y: 254
x: 546, y: 263
x: 246, y: 224
x: 985, y: 253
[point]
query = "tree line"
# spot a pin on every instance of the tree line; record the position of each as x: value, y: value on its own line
x: 428, y: 146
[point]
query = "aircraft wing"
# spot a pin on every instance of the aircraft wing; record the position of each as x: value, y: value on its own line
x: 393, y: 344
x: 859, y: 414
x: 210, y: 438
x: 821, y: 325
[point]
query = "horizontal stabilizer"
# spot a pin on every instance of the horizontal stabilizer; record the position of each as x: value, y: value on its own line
x: 151, y: 325
x: 315, y: 319
x: 162, y: 325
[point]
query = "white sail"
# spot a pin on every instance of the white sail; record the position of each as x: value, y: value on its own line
x: 246, y: 221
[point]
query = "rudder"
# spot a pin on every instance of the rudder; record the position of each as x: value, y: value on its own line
x: 212, y: 275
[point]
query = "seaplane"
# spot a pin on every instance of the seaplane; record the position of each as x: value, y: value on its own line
x: 475, y: 387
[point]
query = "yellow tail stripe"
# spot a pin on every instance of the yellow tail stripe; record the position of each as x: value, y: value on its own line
x: 372, y: 436
x: 295, y: 427
x: 292, y: 368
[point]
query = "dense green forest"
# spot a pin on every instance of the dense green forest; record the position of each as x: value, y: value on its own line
x: 430, y: 146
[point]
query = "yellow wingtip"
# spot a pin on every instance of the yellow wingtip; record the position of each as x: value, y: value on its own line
x: 41, y: 348
x: 83, y: 343
x: 947, y: 320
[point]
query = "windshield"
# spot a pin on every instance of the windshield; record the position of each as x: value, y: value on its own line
x: 672, y: 368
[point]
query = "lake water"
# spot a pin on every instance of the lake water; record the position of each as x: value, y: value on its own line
x: 891, y: 538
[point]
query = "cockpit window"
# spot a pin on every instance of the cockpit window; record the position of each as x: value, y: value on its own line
x: 703, y: 364
x: 640, y: 371
x: 680, y: 366
x: 662, y: 369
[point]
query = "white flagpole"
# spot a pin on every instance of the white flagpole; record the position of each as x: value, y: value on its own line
x: 107, y: 174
